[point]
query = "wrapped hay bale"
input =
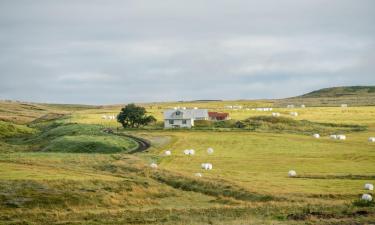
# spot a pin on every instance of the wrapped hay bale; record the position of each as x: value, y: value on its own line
x: 366, y: 197
x: 292, y: 173
x: 341, y: 137
x: 333, y: 136
x: 369, y: 187
x: 206, y: 166
x: 294, y: 113
x: 316, y: 136
x: 198, y: 175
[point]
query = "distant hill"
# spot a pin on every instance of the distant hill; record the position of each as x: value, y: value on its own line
x: 334, y: 96
x: 335, y: 92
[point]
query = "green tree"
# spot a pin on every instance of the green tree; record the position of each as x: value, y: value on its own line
x: 132, y: 116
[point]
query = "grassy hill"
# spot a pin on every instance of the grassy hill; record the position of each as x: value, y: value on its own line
x: 335, y: 96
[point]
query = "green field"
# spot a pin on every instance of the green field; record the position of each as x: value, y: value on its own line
x: 57, y: 166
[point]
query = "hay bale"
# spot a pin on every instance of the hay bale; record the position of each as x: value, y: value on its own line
x: 341, y: 137
x: 153, y: 165
x: 366, y: 197
x: 333, y: 136
x: 371, y: 139
x: 294, y: 113
x: 292, y: 173
x: 206, y: 166
x: 369, y: 187
x: 210, y: 150
x: 316, y: 136
x: 198, y: 174
x: 167, y: 153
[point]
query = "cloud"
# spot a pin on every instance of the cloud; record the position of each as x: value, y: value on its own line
x: 136, y: 50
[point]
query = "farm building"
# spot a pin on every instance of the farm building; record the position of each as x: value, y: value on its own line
x: 218, y: 116
x: 183, y: 117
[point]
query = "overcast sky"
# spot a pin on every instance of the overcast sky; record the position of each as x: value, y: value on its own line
x: 106, y: 51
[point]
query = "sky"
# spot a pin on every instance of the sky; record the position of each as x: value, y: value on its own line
x: 121, y: 51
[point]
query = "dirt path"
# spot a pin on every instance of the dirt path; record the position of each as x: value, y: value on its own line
x: 143, y: 144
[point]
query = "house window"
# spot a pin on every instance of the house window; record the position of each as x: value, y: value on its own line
x: 183, y: 121
x: 171, y: 121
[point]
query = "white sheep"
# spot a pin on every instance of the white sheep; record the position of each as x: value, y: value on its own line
x: 303, y: 106
x: 366, y: 197
x: 153, y: 165
x: 167, y: 152
x: 275, y: 114
x: 369, y: 187
x: 316, y: 136
x: 371, y: 139
x: 292, y: 173
x: 210, y: 150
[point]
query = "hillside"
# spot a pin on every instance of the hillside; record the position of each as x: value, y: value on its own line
x: 335, y: 96
x: 335, y: 92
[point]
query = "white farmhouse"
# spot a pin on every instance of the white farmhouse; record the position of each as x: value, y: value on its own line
x: 183, y: 117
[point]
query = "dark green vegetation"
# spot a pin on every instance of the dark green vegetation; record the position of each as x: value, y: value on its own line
x: 132, y: 116
x: 352, y: 95
x: 280, y: 125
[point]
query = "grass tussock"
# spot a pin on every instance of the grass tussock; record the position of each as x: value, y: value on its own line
x: 210, y: 187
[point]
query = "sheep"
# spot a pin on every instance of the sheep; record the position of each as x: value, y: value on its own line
x: 198, y: 175
x: 341, y: 137
x: 167, y: 152
x: 153, y: 165
x: 316, y: 136
x: 206, y: 166
x: 344, y: 105
x: 366, y: 197
x: 104, y: 117
x: 275, y: 114
x: 294, y: 113
x: 292, y: 173
x: 333, y: 136
x: 371, y: 139
x: 210, y: 150
x: 303, y: 106
x: 369, y: 187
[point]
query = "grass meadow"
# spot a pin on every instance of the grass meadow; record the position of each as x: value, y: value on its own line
x: 50, y: 175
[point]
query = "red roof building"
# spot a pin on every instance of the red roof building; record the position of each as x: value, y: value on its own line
x: 218, y: 116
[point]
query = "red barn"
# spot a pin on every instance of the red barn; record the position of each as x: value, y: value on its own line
x: 218, y: 116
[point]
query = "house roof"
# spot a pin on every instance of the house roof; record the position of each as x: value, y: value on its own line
x: 185, y: 113
x: 218, y: 114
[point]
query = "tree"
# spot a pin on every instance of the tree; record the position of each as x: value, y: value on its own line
x: 132, y: 116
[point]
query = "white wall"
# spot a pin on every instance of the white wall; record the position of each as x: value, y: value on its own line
x: 178, y: 123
